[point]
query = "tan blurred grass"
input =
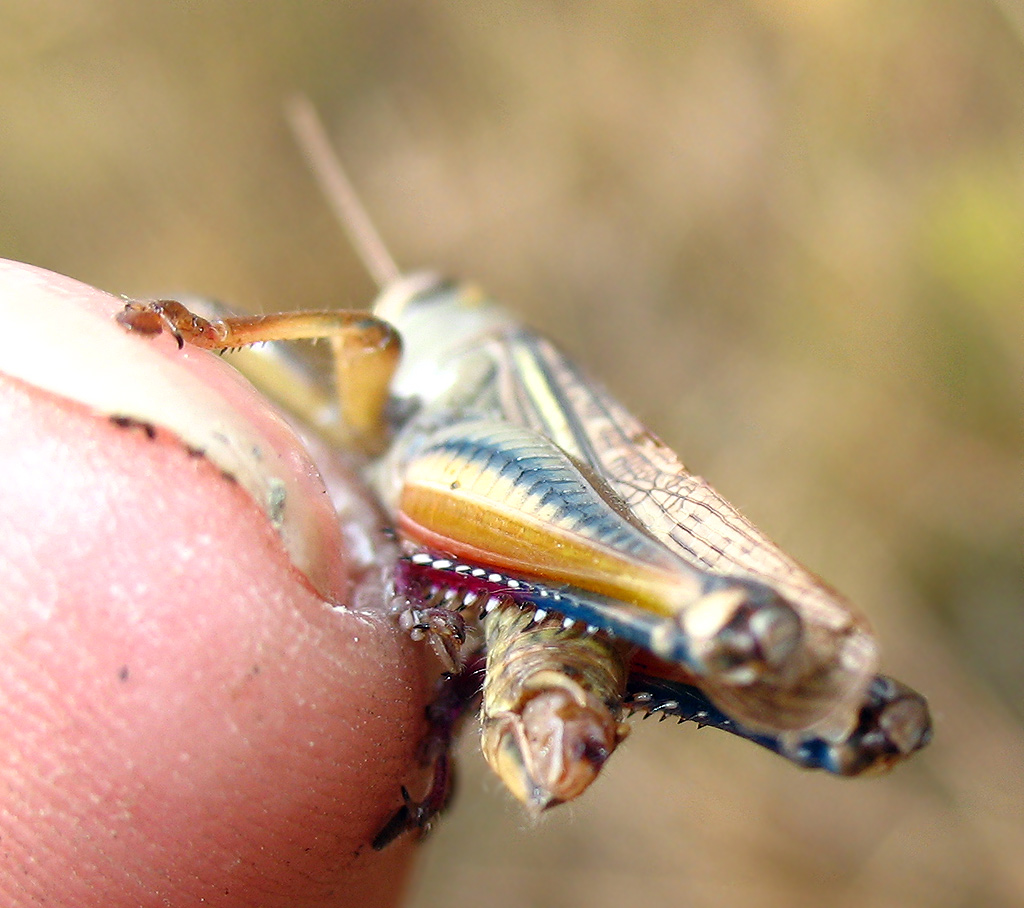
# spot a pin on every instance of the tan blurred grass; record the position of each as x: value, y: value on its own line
x: 791, y: 235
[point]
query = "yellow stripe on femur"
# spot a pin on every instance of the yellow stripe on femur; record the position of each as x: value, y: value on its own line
x: 505, y: 497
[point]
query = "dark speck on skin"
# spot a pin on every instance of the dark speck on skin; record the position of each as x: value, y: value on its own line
x: 129, y: 422
x: 122, y: 673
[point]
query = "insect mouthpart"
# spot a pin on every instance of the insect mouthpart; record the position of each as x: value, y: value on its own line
x: 552, y: 699
x: 553, y: 748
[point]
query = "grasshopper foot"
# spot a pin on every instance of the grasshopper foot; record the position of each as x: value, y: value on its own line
x: 444, y: 628
x: 418, y: 816
x: 153, y: 317
x: 456, y: 696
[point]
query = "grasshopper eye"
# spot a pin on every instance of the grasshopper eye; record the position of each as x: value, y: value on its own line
x: 740, y: 632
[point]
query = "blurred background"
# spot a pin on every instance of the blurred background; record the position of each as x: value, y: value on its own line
x: 789, y: 235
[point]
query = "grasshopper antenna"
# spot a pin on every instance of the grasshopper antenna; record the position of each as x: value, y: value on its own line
x: 309, y: 132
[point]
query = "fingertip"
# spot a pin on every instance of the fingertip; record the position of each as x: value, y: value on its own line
x: 185, y: 717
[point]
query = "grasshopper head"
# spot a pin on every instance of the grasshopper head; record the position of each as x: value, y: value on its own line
x: 549, y: 750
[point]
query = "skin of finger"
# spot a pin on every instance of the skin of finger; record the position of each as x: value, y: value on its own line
x: 183, y: 718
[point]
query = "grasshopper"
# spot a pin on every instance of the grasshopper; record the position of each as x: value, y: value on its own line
x: 535, y: 510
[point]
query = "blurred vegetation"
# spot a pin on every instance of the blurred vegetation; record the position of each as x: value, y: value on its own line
x: 790, y: 235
